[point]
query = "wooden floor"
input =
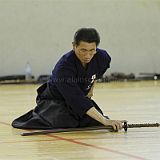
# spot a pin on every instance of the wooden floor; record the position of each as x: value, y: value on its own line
x: 137, y: 102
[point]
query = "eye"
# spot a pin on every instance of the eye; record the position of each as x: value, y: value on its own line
x: 92, y: 50
x: 83, y: 50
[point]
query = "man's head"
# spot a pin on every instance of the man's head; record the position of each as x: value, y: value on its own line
x: 85, y: 43
x: 86, y: 35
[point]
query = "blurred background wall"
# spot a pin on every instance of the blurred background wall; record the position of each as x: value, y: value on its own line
x: 41, y: 31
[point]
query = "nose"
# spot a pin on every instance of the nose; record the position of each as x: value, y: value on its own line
x: 87, y: 55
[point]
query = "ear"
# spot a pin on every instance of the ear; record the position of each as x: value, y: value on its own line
x: 74, y: 45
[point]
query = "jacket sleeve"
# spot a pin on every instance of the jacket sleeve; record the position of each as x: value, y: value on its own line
x: 66, y: 83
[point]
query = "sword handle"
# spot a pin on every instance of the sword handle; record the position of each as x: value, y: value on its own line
x: 125, y: 126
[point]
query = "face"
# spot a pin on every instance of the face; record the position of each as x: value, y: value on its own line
x: 85, y: 51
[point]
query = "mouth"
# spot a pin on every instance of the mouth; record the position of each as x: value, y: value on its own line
x: 87, y: 60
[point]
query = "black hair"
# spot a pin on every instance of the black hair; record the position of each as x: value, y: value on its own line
x: 87, y: 35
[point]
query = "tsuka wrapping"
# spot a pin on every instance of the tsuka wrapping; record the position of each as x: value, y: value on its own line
x: 143, y: 125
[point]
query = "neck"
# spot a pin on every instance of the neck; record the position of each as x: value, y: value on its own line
x: 84, y: 65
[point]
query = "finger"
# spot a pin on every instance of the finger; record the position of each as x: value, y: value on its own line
x: 114, y: 127
x: 119, y: 124
x: 116, y: 122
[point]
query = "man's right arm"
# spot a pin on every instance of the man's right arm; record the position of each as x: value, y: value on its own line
x: 116, y: 124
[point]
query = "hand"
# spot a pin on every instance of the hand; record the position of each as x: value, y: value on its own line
x: 116, y: 124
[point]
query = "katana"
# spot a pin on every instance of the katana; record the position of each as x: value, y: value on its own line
x: 125, y: 127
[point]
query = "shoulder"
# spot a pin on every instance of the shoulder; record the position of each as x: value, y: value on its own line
x: 65, y: 64
x: 103, y: 55
x: 66, y: 58
x: 102, y: 58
